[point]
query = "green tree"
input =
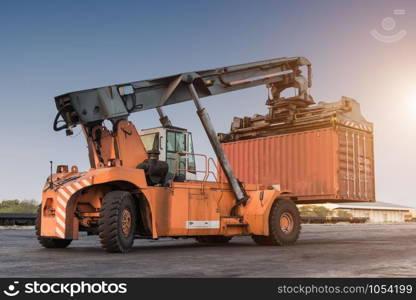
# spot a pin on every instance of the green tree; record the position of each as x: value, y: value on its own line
x: 321, y: 211
x: 343, y: 214
x: 18, y: 206
x: 306, y: 211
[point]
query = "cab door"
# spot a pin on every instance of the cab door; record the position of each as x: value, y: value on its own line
x: 180, y: 141
x: 204, y: 214
x: 169, y: 142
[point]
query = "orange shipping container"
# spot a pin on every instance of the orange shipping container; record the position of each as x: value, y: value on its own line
x: 332, y: 164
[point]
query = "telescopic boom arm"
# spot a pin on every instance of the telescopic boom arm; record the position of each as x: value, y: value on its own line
x: 119, y: 100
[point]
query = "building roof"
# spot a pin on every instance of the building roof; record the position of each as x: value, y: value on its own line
x: 368, y: 205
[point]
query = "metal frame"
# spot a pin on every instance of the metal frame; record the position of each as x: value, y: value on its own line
x: 116, y: 102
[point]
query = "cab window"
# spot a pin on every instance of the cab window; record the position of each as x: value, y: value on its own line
x: 151, y: 141
x: 191, y: 158
x: 176, y: 142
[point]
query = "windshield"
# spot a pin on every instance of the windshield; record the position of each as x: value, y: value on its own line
x: 151, y: 141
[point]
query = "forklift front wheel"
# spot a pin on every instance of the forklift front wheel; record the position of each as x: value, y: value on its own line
x: 117, y: 222
x: 284, y: 225
x: 49, y: 242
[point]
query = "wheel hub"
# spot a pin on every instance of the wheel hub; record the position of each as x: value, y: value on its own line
x: 126, y: 222
x: 286, y: 222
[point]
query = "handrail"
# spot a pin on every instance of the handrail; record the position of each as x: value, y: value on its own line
x: 207, y: 170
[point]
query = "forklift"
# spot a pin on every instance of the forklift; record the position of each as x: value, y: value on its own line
x: 145, y: 184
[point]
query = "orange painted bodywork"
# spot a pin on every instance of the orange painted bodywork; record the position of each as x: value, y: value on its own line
x: 190, y: 208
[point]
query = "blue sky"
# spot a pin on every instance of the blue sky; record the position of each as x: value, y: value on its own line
x: 52, y: 47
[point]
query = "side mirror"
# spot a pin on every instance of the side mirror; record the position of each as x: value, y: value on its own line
x: 126, y: 90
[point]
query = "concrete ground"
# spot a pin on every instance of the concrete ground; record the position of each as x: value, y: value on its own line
x: 360, y: 250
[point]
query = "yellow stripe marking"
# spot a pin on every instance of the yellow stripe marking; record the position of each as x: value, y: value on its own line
x: 60, y: 211
x: 65, y: 195
x: 59, y: 232
x: 61, y: 201
x: 69, y: 188
x: 86, y: 182
x: 60, y: 222
x: 78, y: 186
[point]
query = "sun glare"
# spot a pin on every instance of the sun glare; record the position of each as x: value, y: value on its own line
x: 408, y: 99
x: 413, y: 104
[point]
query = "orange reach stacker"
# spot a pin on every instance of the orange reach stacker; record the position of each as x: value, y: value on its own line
x: 144, y: 184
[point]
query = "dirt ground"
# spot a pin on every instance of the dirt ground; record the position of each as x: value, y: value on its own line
x: 360, y: 250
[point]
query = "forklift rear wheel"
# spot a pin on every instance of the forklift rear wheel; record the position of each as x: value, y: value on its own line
x: 213, y: 239
x: 117, y: 222
x: 284, y: 225
x: 45, y: 241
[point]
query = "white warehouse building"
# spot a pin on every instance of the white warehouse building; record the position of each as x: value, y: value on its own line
x: 376, y: 212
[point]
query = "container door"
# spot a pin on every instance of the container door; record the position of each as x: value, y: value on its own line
x: 356, y: 165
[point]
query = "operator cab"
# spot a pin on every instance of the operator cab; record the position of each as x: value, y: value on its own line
x: 168, y: 142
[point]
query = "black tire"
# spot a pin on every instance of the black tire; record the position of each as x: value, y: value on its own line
x: 284, y: 225
x: 117, y: 223
x: 48, y: 242
x: 213, y: 239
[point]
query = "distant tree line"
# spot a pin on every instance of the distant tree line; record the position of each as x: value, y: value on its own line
x: 321, y: 211
x: 18, y: 206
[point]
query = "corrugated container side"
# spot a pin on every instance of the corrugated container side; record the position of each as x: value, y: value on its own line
x: 317, y: 165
